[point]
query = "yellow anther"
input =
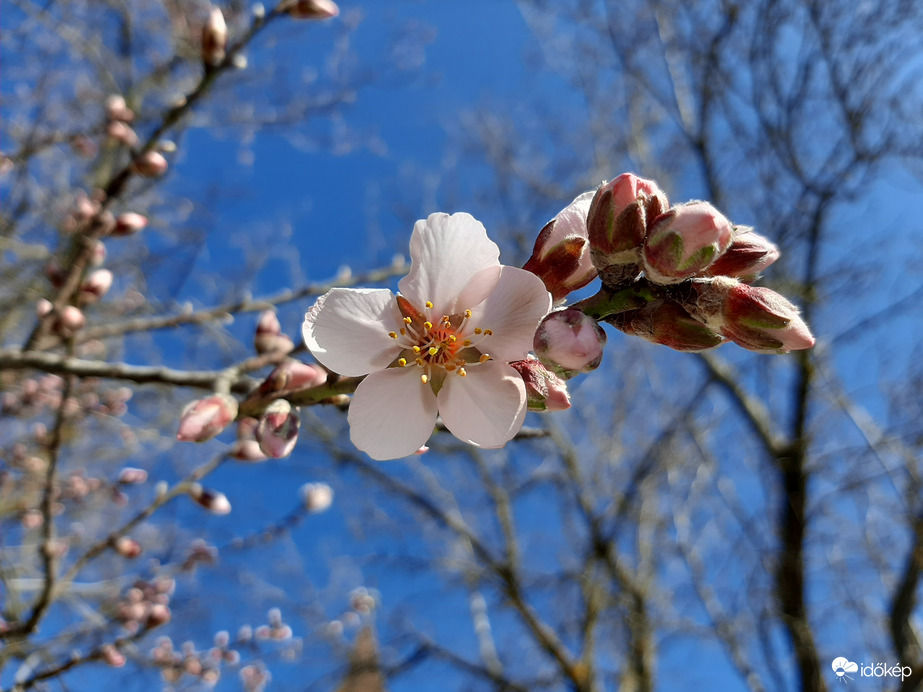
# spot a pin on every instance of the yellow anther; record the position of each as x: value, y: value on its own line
x: 466, y: 343
x: 484, y: 358
x: 424, y: 379
x: 477, y: 330
x: 453, y: 338
x: 427, y: 325
x: 393, y: 335
x: 467, y: 313
x: 462, y: 372
x: 419, y: 361
x: 433, y: 350
x: 416, y: 349
x: 428, y: 304
x: 407, y: 320
x: 488, y: 332
x: 402, y: 362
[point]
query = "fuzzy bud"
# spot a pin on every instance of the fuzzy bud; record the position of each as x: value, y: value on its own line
x: 617, y: 224
x: 561, y: 257
x: 117, y: 109
x: 684, y: 241
x: 749, y: 254
x: 293, y: 375
x: 754, y: 317
x: 128, y: 223
x: 247, y: 448
x: 569, y: 342
x: 132, y: 476
x: 214, y: 501
x: 269, y: 337
x: 97, y: 284
x: 122, y: 133
x: 317, y: 497
x: 214, y: 38
x: 127, y: 547
x: 203, y: 419
x: 277, y: 431
x: 158, y: 614
x: 545, y: 391
x: 150, y: 164
x: 112, y: 656
x: 312, y: 9
x: 666, y: 322
x: 69, y: 321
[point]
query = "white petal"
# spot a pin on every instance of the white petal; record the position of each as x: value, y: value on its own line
x: 446, y: 252
x: 486, y: 408
x: 512, y: 312
x: 347, y: 330
x: 392, y: 413
x: 571, y: 220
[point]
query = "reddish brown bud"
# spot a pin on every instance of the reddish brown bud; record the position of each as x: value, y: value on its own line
x: 545, y: 391
x: 666, y: 322
x: 129, y: 223
x: 214, y: 501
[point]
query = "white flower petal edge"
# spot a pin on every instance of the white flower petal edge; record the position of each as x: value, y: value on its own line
x: 346, y: 332
x: 487, y: 408
x: 513, y: 311
x: 446, y: 252
x: 392, y: 414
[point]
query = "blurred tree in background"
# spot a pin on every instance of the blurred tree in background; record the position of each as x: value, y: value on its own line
x: 723, y: 520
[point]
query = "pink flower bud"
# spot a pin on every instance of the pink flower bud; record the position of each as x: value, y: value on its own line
x: 545, y: 391
x: 203, y: 419
x: 756, y: 318
x: 293, y: 375
x: 127, y: 547
x: 85, y: 208
x: 43, y: 307
x: 132, y: 476
x: 214, y: 38
x: 749, y: 254
x: 313, y: 9
x: 617, y: 223
x: 269, y: 337
x: 569, y: 343
x: 317, y: 497
x: 122, y: 133
x: 561, y: 257
x: 150, y: 164
x: 247, y: 448
x: 666, y: 322
x: 129, y: 223
x: 69, y: 321
x: 97, y: 284
x: 159, y: 614
x: 684, y: 241
x: 117, y: 109
x: 112, y: 656
x: 214, y: 501
x: 277, y: 431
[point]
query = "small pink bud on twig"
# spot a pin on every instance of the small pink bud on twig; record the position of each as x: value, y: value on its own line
x: 277, y: 431
x: 569, y: 342
x: 203, y: 419
x: 122, y: 133
x: 97, y: 284
x: 269, y: 337
x: 214, y: 38
x: 127, y: 547
x: 293, y: 375
x: 214, y: 501
x: 684, y: 241
x: 158, y: 614
x: 43, y: 307
x: 150, y: 164
x: 311, y: 9
x: 112, y: 656
x: 117, y: 109
x: 69, y: 321
x: 247, y: 448
x: 132, y: 476
x: 749, y: 254
x: 129, y: 223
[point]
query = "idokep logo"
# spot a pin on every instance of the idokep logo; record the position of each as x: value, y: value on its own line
x: 842, y: 666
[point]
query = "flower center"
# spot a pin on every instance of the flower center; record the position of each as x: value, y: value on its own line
x: 439, y: 345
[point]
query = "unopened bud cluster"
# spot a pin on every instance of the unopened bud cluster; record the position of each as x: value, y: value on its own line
x: 695, y: 267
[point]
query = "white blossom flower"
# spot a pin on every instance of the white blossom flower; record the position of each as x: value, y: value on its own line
x: 442, y: 346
